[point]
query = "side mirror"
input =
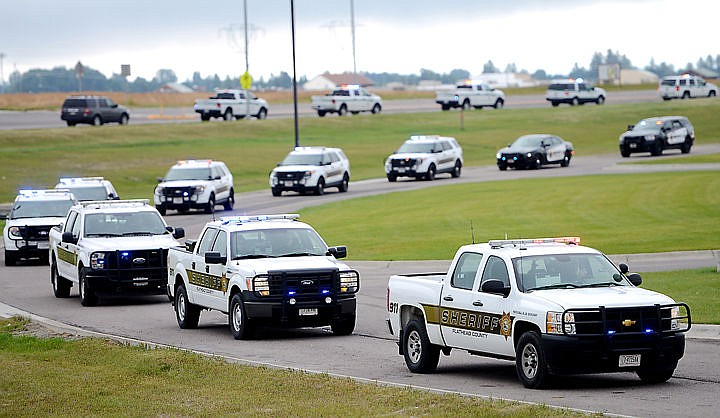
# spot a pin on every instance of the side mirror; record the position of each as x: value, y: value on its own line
x: 635, y: 279
x: 214, y: 257
x: 624, y: 268
x: 160, y: 179
x: 178, y: 233
x: 337, y: 252
x: 630, y: 127
x: 495, y: 286
x: 69, y: 238
x: 3, y: 216
x: 190, y: 245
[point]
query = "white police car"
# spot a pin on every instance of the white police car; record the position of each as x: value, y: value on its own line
x: 685, y: 86
x: 311, y: 169
x: 28, y: 224
x: 424, y: 156
x: 89, y: 188
x: 574, y: 92
x: 195, y: 184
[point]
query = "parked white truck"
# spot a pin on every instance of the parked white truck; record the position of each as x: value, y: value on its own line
x: 471, y: 94
x: 111, y: 247
x: 228, y: 104
x: 350, y: 98
x: 267, y: 269
x: 552, y: 306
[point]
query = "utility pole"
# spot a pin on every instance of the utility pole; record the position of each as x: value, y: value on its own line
x: 247, y: 63
x: 352, y: 30
x: 2, y: 76
x: 295, y: 106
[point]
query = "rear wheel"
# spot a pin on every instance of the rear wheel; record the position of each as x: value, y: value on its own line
x: 230, y: 202
x: 686, y: 95
x: 262, y: 114
x: 321, y: 113
x: 342, y: 111
x: 70, y: 123
x: 457, y: 170
x: 97, y: 120
x: 712, y: 93
x: 445, y: 107
x: 61, y: 286
x: 240, y: 325
x: 204, y: 117
x: 186, y: 313
x: 555, y: 104
x: 228, y: 115
x: 530, y: 362
x: 420, y: 355
x: 87, y: 296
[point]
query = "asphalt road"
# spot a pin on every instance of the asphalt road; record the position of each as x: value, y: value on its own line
x: 371, y: 353
x: 51, y: 119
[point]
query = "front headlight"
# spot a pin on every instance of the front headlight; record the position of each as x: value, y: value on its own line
x: 199, y: 189
x: 97, y: 261
x: 349, y: 281
x: 553, y: 323
x: 529, y: 154
x: 15, y: 232
x: 260, y: 284
x: 498, y: 156
x: 159, y: 190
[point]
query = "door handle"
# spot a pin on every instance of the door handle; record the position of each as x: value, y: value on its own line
x: 448, y: 298
x: 207, y: 269
x: 477, y: 303
x: 193, y: 265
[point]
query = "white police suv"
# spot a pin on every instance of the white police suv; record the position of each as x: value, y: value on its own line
x: 424, y: 156
x: 89, y: 188
x: 195, y: 184
x: 311, y: 169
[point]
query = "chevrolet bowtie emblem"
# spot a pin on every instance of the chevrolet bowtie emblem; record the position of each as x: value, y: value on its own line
x: 628, y: 323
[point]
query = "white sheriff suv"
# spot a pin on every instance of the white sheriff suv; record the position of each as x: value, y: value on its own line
x: 89, y: 188
x: 111, y: 247
x: 685, y: 86
x: 195, y: 184
x: 311, y: 169
x: 28, y: 224
x: 263, y: 270
x: 552, y: 306
x: 574, y: 92
x: 424, y: 156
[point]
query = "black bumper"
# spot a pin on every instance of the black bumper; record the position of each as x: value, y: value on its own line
x: 577, y: 355
x: 294, y: 187
x: 29, y: 251
x: 135, y: 282
x: 281, y: 312
x: 169, y: 203
x: 211, y: 113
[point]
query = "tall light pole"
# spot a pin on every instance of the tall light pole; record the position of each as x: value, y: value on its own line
x: 352, y: 30
x: 295, y: 106
x: 2, y: 76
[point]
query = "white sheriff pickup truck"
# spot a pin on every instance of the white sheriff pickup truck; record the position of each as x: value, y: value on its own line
x: 111, y: 247
x: 267, y: 269
x: 228, y: 104
x: 351, y: 98
x: 471, y: 94
x: 552, y: 306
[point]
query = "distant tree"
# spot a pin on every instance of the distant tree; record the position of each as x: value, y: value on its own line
x: 163, y: 76
x: 426, y: 74
x: 511, y: 68
x: 489, y: 68
x: 454, y: 76
x: 540, y: 75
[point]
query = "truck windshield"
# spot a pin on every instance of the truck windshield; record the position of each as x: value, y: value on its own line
x: 420, y: 148
x: 89, y: 193
x: 40, y: 209
x: 289, y: 242
x: 303, y: 159
x: 555, y: 271
x: 197, y: 173
x: 124, y: 224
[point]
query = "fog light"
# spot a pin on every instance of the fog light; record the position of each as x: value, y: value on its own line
x: 291, y: 301
x: 328, y: 299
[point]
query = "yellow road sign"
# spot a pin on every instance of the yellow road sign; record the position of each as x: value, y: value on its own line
x: 246, y: 80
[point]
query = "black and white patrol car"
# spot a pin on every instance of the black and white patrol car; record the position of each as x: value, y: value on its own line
x: 534, y: 151
x: 654, y: 135
x: 424, y: 156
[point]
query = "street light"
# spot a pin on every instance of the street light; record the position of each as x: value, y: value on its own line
x: 295, y: 106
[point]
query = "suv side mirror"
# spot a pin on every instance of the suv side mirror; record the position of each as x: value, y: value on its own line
x: 635, y: 279
x: 337, y: 252
x: 495, y: 286
x: 214, y: 257
x: 160, y: 179
x: 69, y: 238
x: 178, y: 233
x: 630, y: 127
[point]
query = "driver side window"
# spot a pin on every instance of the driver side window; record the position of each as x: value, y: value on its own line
x: 495, y: 269
x: 207, y: 241
x: 465, y: 271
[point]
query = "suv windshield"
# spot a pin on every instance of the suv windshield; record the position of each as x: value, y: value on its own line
x: 276, y: 243
x: 302, y: 159
x: 119, y: 224
x: 415, y: 147
x: 40, y: 209
x: 89, y: 193
x: 197, y: 173
x: 649, y: 125
x: 566, y: 271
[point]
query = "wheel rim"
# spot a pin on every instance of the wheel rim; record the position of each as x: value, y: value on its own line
x: 529, y: 361
x: 82, y: 285
x: 237, y: 319
x: 53, y: 278
x: 414, y: 346
x: 181, y: 306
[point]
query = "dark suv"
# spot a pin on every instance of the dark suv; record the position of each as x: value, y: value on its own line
x: 657, y: 134
x: 94, y: 110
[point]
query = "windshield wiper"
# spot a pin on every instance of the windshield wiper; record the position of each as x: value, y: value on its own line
x: 555, y: 286
x: 297, y: 255
x: 137, y: 233
x: 248, y: 256
x: 603, y: 284
x: 103, y: 234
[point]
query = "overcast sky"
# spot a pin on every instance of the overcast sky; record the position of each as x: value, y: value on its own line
x: 400, y: 36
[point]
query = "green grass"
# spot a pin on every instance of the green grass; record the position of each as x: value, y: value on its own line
x: 699, y: 288
x: 618, y: 214
x: 133, y: 156
x: 94, y: 377
x: 690, y: 159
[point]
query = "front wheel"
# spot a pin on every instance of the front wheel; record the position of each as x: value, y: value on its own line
x: 124, y: 119
x: 228, y: 115
x: 376, y: 108
x: 656, y: 375
x: 600, y: 100
x: 161, y: 210
x: 530, y: 362
x: 344, y: 184
x: 430, y: 175
x: 657, y: 149
x: 186, y: 313
x: 262, y: 114
x: 420, y: 355
x: 210, y: 207
x: 392, y: 177
x: 320, y: 189
x: 685, y: 147
x: 275, y: 191
x: 457, y: 170
x: 625, y: 152
x: 499, y: 104
x: 61, y: 286
x: 239, y: 323
x: 87, y: 296
x: 344, y: 325
x: 342, y: 111
x: 565, y: 161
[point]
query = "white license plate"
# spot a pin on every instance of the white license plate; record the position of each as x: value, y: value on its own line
x: 629, y: 360
x: 400, y: 170
x: 43, y: 245
x: 288, y: 183
x: 633, y: 145
x: 307, y: 312
x: 178, y: 200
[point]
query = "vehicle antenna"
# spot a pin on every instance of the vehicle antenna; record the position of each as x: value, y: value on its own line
x: 472, y: 231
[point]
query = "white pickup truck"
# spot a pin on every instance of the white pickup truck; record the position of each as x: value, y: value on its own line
x: 471, y: 94
x: 352, y: 98
x: 228, y: 104
x: 552, y: 306
x: 267, y: 269
x: 111, y: 247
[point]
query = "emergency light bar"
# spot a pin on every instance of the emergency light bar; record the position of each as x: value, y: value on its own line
x: 42, y: 192
x: 225, y: 220
x: 66, y: 180
x: 560, y: 240
x: 97, y: 204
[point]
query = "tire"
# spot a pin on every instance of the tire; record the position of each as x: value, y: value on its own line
x: 354, y: 113
x: 466, y: 105
x: 238, y: 117
x: 600, y: 100
x: 230, y: 202
x: 10, y: 258
x: 344, y: 184
x: 457, y: 170
x: 342, y: 111
x: 538, y: 163
x: 574, y: 101
x: 228, y: 115
x: 502, y: 167
x: 61, y: 286
x: 321, y: 113
x: 97, y: 120
x: 240, y: 325
x: 124, y: 119
x: 657, y: 149
x: 656, y: 375
x: 686, y: 95
x: 430, y: 175
x: 87, y: 296
x: 420, y: 355
x: 320, y: 188
x: 262, y: 114
x: 210, y: 206
x: 685, y: 147
x: 204, y: 117
x: 566, y: 160
x: 711, y: 93
x: 499, y: 104
x: 555, y: 104
x: 625, y: 152
x: 392, y: 178
x: 70, y: 123
x: 161, y: 210
x: 275, y: 192
x: 445, y: 107
x: 186, y: 313
x: 376, y: 109
x: 530, y: 362
x: 344, y: 325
